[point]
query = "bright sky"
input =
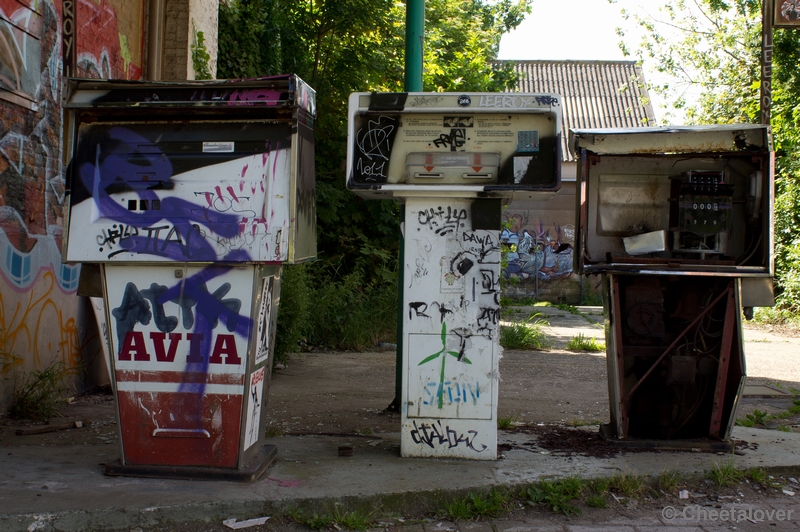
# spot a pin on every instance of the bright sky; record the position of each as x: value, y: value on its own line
x: 578, y: 29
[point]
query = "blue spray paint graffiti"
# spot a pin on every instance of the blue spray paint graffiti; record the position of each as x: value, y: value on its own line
x: 537, y: 254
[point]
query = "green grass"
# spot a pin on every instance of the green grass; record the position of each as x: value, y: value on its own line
x: 628, y: 485
x: 340, y: 519
x: 506, y: 422
x: 558, y: 495
x: 725, y: 474
x: 475, y: 505
x: 584, y: 343
x: 596, y: 501
x: 41, y: 394
x: 527, y: 335
x: 669, y: 480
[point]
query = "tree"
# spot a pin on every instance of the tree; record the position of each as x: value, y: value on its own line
x: 344, y: 46
x: 715, y: 46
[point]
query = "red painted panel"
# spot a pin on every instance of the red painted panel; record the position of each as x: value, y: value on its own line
x: 180, y: 429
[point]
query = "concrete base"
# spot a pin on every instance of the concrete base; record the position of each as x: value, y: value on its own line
x: 707, y: 445
x: 253, y: 469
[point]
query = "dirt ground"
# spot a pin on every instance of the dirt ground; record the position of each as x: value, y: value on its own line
x: 345, y: 392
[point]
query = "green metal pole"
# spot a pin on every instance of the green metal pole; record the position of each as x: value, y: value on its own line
x: 415, y: 35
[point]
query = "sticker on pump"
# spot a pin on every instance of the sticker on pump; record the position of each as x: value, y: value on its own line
x: 218, y: 147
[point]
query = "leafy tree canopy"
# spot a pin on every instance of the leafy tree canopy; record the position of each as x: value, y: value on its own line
x: 344, y: 46
x: 715, y: 46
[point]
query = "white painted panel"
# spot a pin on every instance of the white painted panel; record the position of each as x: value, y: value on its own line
x: 156, y: 317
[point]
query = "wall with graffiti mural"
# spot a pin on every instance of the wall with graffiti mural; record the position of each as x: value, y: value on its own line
x: 41, y: 318
x: 540, y: 237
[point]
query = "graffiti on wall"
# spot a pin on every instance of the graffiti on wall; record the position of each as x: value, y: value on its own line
x: 110, y: 39
x: 41, y: 319
x: 537, y: 251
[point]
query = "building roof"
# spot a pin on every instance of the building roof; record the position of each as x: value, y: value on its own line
x: 594, y: 94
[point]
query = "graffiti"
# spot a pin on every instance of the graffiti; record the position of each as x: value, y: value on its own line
x: 140, y: 306
x: 254, y: 419
x: 442, y: 221
x: 534, y: 253
x: 222, y: 202
x: 374, y: 145
x: 456, y: 392
x: 507, y: 101
x: 442, y: 353
x: 111, y: 48
x: 456, y: 139
x: 423, y: 101
x: 481, y: 244
x: 435, y: 434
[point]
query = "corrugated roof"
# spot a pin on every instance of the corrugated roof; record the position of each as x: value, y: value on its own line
x: 594, y: 94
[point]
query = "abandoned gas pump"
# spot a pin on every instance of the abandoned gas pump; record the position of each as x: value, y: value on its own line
x: 452, y: 159
x: 189, y: 197
x: 678, y: 222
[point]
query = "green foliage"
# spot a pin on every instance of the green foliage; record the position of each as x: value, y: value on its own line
x: 40, y: 394
x: 342, y: 46
x: 669, y: 480
x: 200, y: 57
x: 627, y: 484
x: 527, y: 335
x: 758, y: 417
x: 558, y: 494
x: 476, y: 505
x: 725, y: 474
x: 340, y: 519
x: 584, y: 343
x: 596, y: 501
x: 506, y: 422
x: 294, y: 310
x: 757, y: 474
x: 714, y: 47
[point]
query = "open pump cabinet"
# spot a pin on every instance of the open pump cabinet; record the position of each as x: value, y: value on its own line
x: 678, y: 221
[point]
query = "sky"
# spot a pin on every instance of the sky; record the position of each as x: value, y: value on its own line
x: 585, y: 30
x: 578, y: 29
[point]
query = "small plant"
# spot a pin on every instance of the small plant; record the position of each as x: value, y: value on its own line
x: 725, y: 474
x: 668, y: 480
x: 41, y: 393
x: 506, y: 422
x: 784, y: 428
x: 596, y: 501
x: 351, y: 520
x: 756, y: 418
x: 584, y: 343
x: 200, y: 56
x: 557, y: 494
x: 528, y: 335
x: 458, y: 509
x: 600, y: 485
x: 628, y: 485
x: 757, y: 475
x: 476, y: 505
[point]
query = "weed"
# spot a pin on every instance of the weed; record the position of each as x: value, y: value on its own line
x: 506, y: 422
x: 668, y: 480
x: 458, y: 509
x: 476, y: 505
x: 784, y: 428
x: 725, y: 474
x: 41, y: 393
x: 351, y: 520
x: 489, y: 505
x: 757, y: 475
x: 584, y: 343
x: 569, y: 308
x: 600, y: 485
x: 756, y: 418
x: 272, y: 432
x: 557, y: 494
x: 596, y: 501
x: 315, y: 521
x: 628, y: 485
x: 528, y: 335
